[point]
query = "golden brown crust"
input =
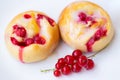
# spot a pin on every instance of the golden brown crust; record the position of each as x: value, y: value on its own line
x: 33, y: 52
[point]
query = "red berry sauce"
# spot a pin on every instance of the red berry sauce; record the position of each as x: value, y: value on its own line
x: 101, y: 32
x: 14, y: 41
x: 20, y: 31
x: 39, y: 39
x: 40, y: 16
x: 84, y: 18
x: 29, y: 41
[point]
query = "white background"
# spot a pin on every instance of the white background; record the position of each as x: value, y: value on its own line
x: 107, y: 61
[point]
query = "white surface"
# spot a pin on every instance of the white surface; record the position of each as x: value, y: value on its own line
x: 107, y: 61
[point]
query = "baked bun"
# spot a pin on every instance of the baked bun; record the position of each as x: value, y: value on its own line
x: 31, y: 36
x: 85, y: 26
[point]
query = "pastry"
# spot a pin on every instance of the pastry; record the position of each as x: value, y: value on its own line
x: 31, y: 36
x: 86, y: 26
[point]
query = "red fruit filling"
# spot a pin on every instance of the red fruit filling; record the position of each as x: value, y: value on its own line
x: 14, y: 41
x: 26, y: 42
x: 27, y: 16
x: 97, y: 36
x: 29, y: 41
x: 19, y: 31
x: 51, y: 21
x: 84, y: 17
x: 40, y: 16
x: 39, y: 39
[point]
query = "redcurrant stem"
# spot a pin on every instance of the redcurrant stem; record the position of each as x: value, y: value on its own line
x: 91, y: 56
x: 47, y: 70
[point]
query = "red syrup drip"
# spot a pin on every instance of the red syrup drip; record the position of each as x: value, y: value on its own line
x: 35, y: 40
x: 21, y: 54
x: 40, y: 16
x: 21, y: 46
x: 97, y: 36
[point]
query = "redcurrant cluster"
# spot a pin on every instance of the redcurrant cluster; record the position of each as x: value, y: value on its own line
x: 72, y: 63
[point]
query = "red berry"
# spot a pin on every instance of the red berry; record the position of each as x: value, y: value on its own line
x: 90, y: 43
x: 90, y: 64
x: 69, y: 59
x: 57, y: 73
x: 83, y: 60
x: 97, y: 35
x: 39, y: 40
x: 77, y: 53
x: 58, y: 65
x: 15, y: 26
x: 103, y: 32
x: 66, y: 70
x: 76, y: 67
x: 43, y: 41
x: 82, y: 16
x: 39, y: 16
x: 14, y: 41
x: 29, y: 41
x: 20, y: 31
x: 51, y: 21
x: 27, y: 16
x: 62, y: 61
